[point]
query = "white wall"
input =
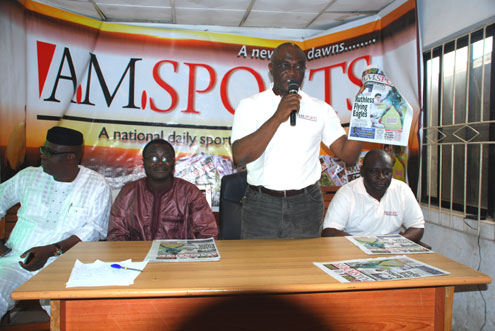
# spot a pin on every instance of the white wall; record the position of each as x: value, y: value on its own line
x: 440, y: 20
x: 445, y: 237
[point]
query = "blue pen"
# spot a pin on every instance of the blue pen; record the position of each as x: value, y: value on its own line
x: 118, y: 266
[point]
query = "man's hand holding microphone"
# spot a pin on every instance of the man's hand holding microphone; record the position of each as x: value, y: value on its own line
x: 289, y: 105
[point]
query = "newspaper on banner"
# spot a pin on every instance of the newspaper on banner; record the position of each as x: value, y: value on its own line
x: 183, y: 250
x: 387, y: 244
x: 380, y: 113
x: 378, y: 269
x: 334, y: 172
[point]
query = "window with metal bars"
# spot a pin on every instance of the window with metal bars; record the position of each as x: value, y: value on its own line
x: 458, y: 153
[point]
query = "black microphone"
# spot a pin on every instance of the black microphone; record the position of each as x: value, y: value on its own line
x: 293, y: 88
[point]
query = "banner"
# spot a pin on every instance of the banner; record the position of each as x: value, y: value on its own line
x: 124, y: 85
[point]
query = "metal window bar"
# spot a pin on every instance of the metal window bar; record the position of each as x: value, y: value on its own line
x: 431, y: 145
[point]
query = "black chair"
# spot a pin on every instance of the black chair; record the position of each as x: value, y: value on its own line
x: 232, y: 190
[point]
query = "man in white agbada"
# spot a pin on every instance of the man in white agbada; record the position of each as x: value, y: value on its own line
x: 62, y: 203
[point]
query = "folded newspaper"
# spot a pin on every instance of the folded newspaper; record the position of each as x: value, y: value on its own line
x: 183, y: 250
x: 380, y: 113
x: 387, y: 244
x: 378, y: 269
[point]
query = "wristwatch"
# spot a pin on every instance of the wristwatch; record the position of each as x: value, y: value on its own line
x: 59, y: 250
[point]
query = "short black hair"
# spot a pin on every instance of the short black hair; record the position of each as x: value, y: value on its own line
x: 378, y: 152
x: 157, y: 142
x: 288, y: 44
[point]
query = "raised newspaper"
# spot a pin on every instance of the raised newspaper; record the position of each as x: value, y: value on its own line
x: 378, y: 269
x: 380, y: 113
x: 183, y: 250
x: 387, y: 244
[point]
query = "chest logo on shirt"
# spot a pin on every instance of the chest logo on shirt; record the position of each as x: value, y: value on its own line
x: 390, y: 213
x: 307, y: 117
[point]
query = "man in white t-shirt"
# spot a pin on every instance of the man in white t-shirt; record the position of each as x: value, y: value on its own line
x: 283, y: 198
x: 374, y: 204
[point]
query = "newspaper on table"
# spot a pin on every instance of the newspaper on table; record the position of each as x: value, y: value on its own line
x: 183, y: 250
x: 387, y: 244
x: 378, y: 269
x: 380, y: 113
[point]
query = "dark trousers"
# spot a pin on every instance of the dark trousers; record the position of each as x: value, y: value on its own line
x: 268, y: 217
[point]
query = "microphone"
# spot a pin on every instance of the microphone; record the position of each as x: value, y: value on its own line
x: 293, y: 88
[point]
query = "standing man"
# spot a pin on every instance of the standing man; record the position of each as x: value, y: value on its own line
x: 62, y: 203
x: 160, y: 206
x: 375, y: 204
x: 283, y: 198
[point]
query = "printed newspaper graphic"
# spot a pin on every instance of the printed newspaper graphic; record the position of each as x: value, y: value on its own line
x: 334, y: 171
x: 378, y: 269
x: 183, y: 250
x: 380, y: 113
x: 387, y: 244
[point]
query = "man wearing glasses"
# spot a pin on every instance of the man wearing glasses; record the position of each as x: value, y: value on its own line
x: 283, y: 198
x: 375, y: 204
x: 160, y: 206
x: 62, y: 203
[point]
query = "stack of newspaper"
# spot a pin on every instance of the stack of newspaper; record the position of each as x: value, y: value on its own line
x: 387, y: 244
x: 183, y: 250
x: 378, y: 269
x: 382, y: 268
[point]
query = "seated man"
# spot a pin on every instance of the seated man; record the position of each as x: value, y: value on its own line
x: 62, y: 203
x: 160, y: 206
x: 374, y: 204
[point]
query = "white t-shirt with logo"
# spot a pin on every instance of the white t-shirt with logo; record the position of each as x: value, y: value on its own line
x: 356, y: 212
x: 291, y: 158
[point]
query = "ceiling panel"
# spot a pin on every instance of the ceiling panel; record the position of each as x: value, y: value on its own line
x: 359, y: 5
x: 322, y: 22
x: 213, y: 4
x: 139, y: 14
x: 299, y: 14
x: 279, y: 19
x: 157, y: 3
x: 83, y: 7
x: 305, y: 6
x: 209, y: 16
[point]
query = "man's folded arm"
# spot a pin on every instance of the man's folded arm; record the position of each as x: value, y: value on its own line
x: 203, y: 220
x: 332, y: 232
x: 36, y: 257
x: 414, y: 234
x: 117, y: 225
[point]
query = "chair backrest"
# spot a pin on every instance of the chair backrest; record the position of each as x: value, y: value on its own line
x: 232, y: 190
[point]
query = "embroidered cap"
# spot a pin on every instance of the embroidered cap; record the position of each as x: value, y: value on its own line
x: 64, y: 136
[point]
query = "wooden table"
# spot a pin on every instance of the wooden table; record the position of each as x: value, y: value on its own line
x: 257, y: 285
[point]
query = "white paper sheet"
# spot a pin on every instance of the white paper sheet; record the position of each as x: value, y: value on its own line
x: 101, y: 273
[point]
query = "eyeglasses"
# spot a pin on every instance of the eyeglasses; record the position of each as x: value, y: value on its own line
x: 375, y: 171
x: 155, y: 159
x: 286, y: 66
x: 48, y: 152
